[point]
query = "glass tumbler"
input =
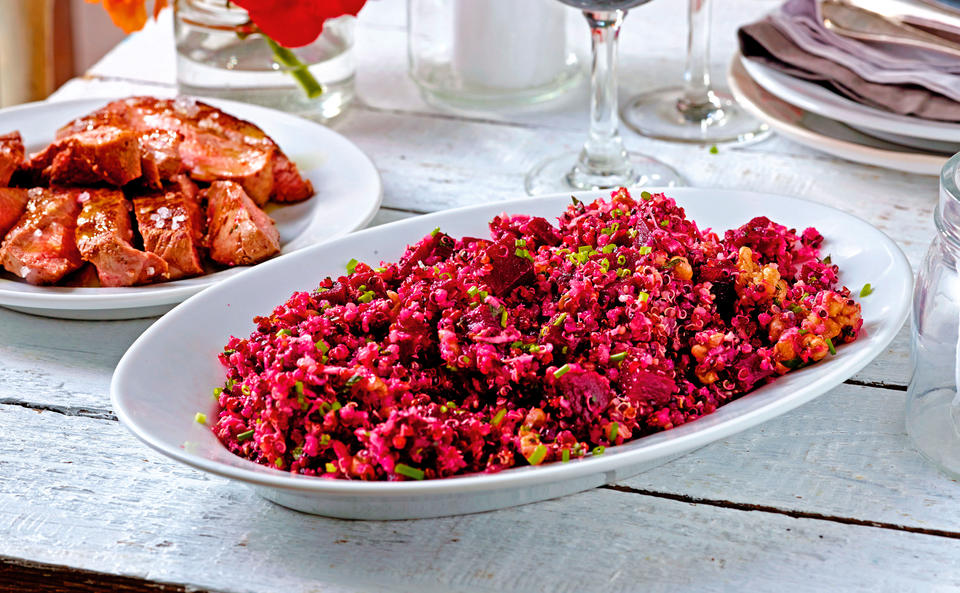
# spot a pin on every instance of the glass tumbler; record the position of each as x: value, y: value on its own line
x: 220, y: 54
x: 933, y: 398
x: 489, y: 54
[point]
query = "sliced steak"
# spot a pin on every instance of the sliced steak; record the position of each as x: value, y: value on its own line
x: 13, y: 201
x: 103, y: 238
x: 41, y: 248
x: 11, y: 156
x: 215, y: 145
x: 238, y: 232
x: 288, y: 185
x: 107, y: 154
x: 171, y: 224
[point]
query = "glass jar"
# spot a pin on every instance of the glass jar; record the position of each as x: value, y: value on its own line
x: 933, y: 398
x: 217, y: 56
x: 478, y: 54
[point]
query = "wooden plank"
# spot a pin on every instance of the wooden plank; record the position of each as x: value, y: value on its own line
x: 18, y: 576
x: 81, y: 492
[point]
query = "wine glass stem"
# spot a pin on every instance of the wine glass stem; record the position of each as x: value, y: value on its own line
x: 603, y: 152
x: 696, y: 75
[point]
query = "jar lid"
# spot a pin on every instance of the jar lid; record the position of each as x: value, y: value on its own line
x: 947, y: 216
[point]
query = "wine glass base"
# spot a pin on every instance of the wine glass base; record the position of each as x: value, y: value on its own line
x: 559, y: 174
x: 656, y: 115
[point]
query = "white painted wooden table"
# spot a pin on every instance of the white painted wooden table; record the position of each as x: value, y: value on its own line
x: 828, y: 497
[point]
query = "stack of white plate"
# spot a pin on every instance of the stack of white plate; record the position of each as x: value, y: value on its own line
x: 819, y: 118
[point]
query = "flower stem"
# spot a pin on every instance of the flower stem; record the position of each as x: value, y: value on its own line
x: 296, y: 68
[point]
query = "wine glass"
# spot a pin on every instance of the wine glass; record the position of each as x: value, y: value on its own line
x: 603, y: 162
x: 696, y: 112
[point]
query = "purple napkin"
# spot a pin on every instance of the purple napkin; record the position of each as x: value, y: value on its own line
x: 793, y: 40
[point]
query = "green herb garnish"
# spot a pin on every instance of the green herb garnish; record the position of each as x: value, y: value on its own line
x: 833, y: 349
x: 867, y: 290
x: 244, y: 436
x: 561, y: 371
x: 411, y: 472
x: 613, y: 431
x: 352, y: 266
x: 498, y: 417
x: 619, y: 356
x: 200, y: 417
x: 537, y: 456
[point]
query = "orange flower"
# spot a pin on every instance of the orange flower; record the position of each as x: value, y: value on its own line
x: 130, y: 15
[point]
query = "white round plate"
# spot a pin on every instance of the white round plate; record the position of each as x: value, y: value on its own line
x: 827, y: 135
x: 822, y: 101
x: 348, y: 193
x: 159, y: 406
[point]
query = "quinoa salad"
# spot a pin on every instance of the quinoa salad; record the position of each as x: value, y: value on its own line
x: 540, y: 343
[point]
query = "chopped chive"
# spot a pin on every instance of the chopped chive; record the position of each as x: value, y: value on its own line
x: 520, y: 243
x: 434, y: 232
x: 516, y: 344
x: 279, y: 463
x: 797, y: 309
x: 560, y: 318
x: 411, y: 472
x: 643, y: 297
x: 322, y: 347
x: 200, y: 417
x: 664, y: 223
x: 565, y: 455
x: 672, y: 262
x: 217, y: 391
x: 503, y: 318
x: 498, y: 417
x: 645, y: 249
x: 537, y: 456
x: 354, y: 380
x: 714, y: 149
x: 613, y: 431
x: 610, y: 248
x: 867, y: 290
x: 331, y: 468
x: 645, y: 195
x: 793, y: 363
x: 298, y: 387
x: 619, y: 356
x: 229, y: 351
x: 244, y: 436
x: 352, y: 266
x: 379, y: 270
x: 473, y: 290
x: 335, y: 406
x: 324, y: 439
x: 523, y: 253
x: 803, y: 332
x: 599, y: 450
x: 561, y: 371
x: 833, y: 349
x: 621, y: 259
x: 367, y: 296
x: 584, y: 249
x: 576, y: 202
x: 284, y: 332
x: 623, y: 272
x: 827, y: 259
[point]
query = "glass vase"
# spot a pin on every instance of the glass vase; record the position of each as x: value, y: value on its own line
x: 220, y: 54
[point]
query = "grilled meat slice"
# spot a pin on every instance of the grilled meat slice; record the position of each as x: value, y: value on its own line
x: 215, y: 145
x: 238, y: 232
x: 41, y: 248
x: 172, y: 226
x: 106, y: 154
x: 103, y: 238
x: 13, y: 200
x: 11, y: 156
